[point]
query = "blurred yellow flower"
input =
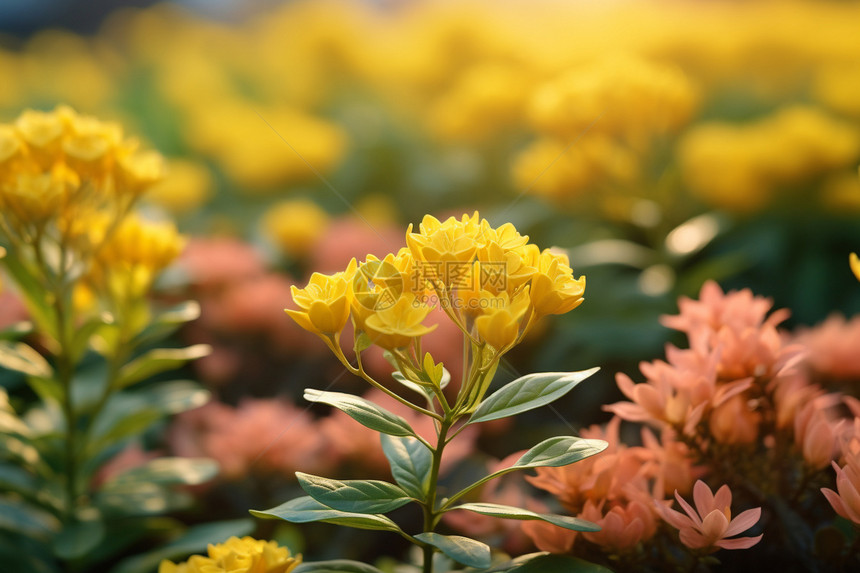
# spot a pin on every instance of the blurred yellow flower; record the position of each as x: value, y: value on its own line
x: 186, y: 186
x: 624, y: 96
x: 854, y: 262
x: 323, y: 303
x: 295, y: 226
x: 133, y: 255
x: 740, y: 167
x: 245, y: 555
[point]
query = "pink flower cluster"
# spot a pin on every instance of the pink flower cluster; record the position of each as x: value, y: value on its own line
x: 741, y: 407
x: 267, y: 436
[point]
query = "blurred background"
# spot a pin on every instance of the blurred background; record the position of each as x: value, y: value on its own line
x: 660, y: 143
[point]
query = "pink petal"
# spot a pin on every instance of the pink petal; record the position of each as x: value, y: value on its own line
x: 739, y: 543
x: 697, y: 521
x: 693, y: 539
x: 674, y: 518
x: 715, y: 525
x: 743, y: 521
x: 836, y: 502
x: 703, y: 497
x: 723, y: 498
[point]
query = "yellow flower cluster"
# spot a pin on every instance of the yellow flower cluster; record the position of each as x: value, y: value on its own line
x: 491, y: 282
x: 740, y: 167
x: 131, y: 257
x: 60, y: 171
x: 295, y: 225
x: 596, y: 123
x: 245, y: 555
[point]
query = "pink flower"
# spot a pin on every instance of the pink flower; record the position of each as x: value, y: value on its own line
x: 549, y: 537
x: 215, y: 262
x: 847, y: 502
x: 736, y: 323
x: 623, y: 527
x: 710, y: 524
x: 832, y: 347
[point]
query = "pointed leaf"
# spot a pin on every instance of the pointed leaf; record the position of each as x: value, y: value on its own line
x: 559, y: 451
x: 21, y: 357
x: 527, y: 393
x: 78, y: 539
x: 336, y: 566
x: 157, y: 361
x: 461, y: 549
x: 410, y: 462
x: 509, y: 512
x: 358, y: 496
x: 307, y: 509
x: 363, y: 411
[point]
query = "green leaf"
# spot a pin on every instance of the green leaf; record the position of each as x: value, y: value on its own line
x: 21, y: 517
x: 168, y: 471
x: 307, y: 509
x: 78, y: 539
x: 510, y: 512
x: 157, y: 361
x: 461, y: 549
x: 527, y: 393
x: 336, y: 566
x: 558, y: 564
x: 194, y: 540
x: 362, y: 342
x: 363, y: 411
x: 558, y: 451
x: 165, y: 323
x: 23, y: 358
x: 131, y: 412
x: 410, y: 462
x: 357, y: 496
x: 414, y: 386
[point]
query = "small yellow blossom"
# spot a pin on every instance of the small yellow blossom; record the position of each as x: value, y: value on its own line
x: 501, y: 318
x: 398, y: 325
x: 451, y: 241
x: 378, y: 284
x: 245, y: 555
x: 553, y: 288
x: 295, y: 226
x: 854, y: 261
x: 323, y: 303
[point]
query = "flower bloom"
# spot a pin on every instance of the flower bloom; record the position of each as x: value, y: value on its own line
x: 854, y: 261
x: 847, y: 502
x: 323, y: 304
x: 710, y: 524
x: 245, y: 555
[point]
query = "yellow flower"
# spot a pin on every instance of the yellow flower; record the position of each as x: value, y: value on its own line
x: 501, y: 318
x: 398, y: 325
x: 245, y: 555
x: 133, y: 255
x: 186, y: 187
x: 553, y: 288
x: 854, y: 262
x: 452, y: 241
x: 295, y: 226
x: 323, y: 304
x: 377, y: 285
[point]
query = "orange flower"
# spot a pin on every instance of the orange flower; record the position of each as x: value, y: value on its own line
x: 710, y: 524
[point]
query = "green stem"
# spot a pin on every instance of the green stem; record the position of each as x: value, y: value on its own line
x: 65, y: 373
x: 431, y: 516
